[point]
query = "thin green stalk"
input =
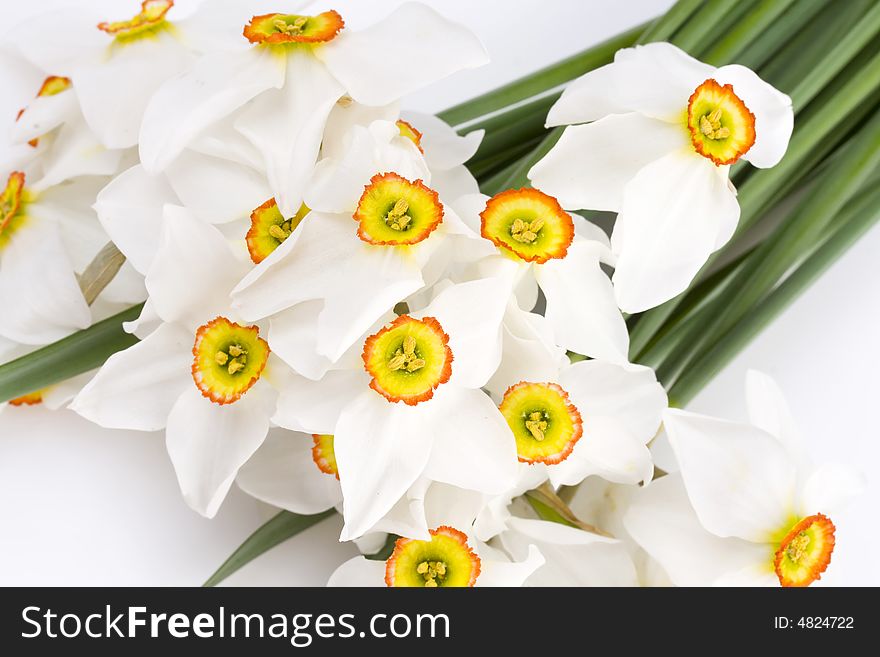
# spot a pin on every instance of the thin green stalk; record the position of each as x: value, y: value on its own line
x: 768, y: 264
x: 694, y: 32
x: 277, y: 530
x: 843, y: 52
x: 860, y: 216
x: 81, y: 352
x: 490, y: 166
x: 541, y: 80
x: 780, y: 32
x: 665, y: 26
x: 764, y: 14
x: 797, y: 59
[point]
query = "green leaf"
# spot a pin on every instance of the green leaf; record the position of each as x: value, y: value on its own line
x: 277, y: 530
x: 81, y: 352
x: 701, y: 25
x: 665, y: 26
x: 764, y: 14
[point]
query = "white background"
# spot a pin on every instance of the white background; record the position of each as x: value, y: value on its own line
x: 82, y: 505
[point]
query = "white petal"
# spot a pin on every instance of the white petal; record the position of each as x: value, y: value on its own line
x: 342, y: 121
x: 359, y: 572
x: 471, y: 313
x: 216, y: 190
x: 774, y: 117
x: 43, y: 114
x: 473, y: 446
x: 208, y: 443
x: 655, y: 79
x: 69, y: 207
x: 381, y: 449
x: 452, y: 506
x: 769, y: 411
x: 591, y: 164
x: 514, y: 573
x: 444, y: 147
x: 76, y: 152
x: 130, y: 210
x: 581, y: 306
x: 286, y: 126
x: 411, y: 48
x: 573, y: 557
x: 607, y: 449
x: 315, y: 406
x: 127, y: 287
x: 39, y: 293
x: 53, y: 42
x: 283, y: 473
x: 136, y: 388
x: 217, y: 85
x: 673, y: 211
x: 454, y: 183
x: 740, y: 480
x: 830, y: 488
x: 147, y: 322
x: 60, y: 394
x: 628, y: 393
x: 359, y: 282
x: 114, y: 91
x: 529, y: 351
x: 407, y: 516
x: 193, y: 271
x: 338, y: 184
x: 661, y: 520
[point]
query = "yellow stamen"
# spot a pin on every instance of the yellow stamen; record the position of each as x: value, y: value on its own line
x: 280, y: 231
x: 537, y: 425
x: 235, y: 358
x: 710, y: 125
x: 397, y: 218
x: 406, y: 358
x: 798, y: 547
x: 222, y: 358
x: 526, y: 233
x: 432, y: 571
x: 292, y: 29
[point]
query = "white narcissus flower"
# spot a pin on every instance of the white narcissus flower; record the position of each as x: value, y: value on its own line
x: 371, y: 233
x: 293, y: 76
x: 410, y: 406
x: 570, y: 421
x: 664, y: 130
x: 748, y: 507
x: 47, y: 235
x: 115, y: 65
x: 447, y: 555
x: 201, y: 375
x: 540, y: 245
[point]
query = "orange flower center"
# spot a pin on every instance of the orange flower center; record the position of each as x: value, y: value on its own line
x: 528, y: 224
x: 408, y: 359
x: 228, y: 359
x: 269, y: 229
x: 150, y: 18
x: 445, y: 560
x: 293, y: 28
x: 324, y: 455
x: 11, y: 206
x: 805, y: 551
x: 721, y: 126
x: 407, y: 130
x: 545, y: 424
x: 394, y: 211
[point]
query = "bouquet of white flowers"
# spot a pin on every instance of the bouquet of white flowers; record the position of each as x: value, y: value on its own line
x: 468, y: 334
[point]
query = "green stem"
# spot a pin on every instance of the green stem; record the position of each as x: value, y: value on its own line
x: 665, y: 26
x: 691, y: 36
x: 81, y: 352
x: 801, y: 14
x: 746, y: 30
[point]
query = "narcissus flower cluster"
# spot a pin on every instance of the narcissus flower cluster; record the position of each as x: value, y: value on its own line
x: 335, y: 317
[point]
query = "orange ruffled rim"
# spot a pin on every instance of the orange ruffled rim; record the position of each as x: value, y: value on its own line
x: 401, y: 544
x: 332, y: 18
x: 826, y: 528
x: 203, y: 387
x: 138, y: 22
x: 573, y: 413
x: 428, y: 195
x: 727, y: 93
